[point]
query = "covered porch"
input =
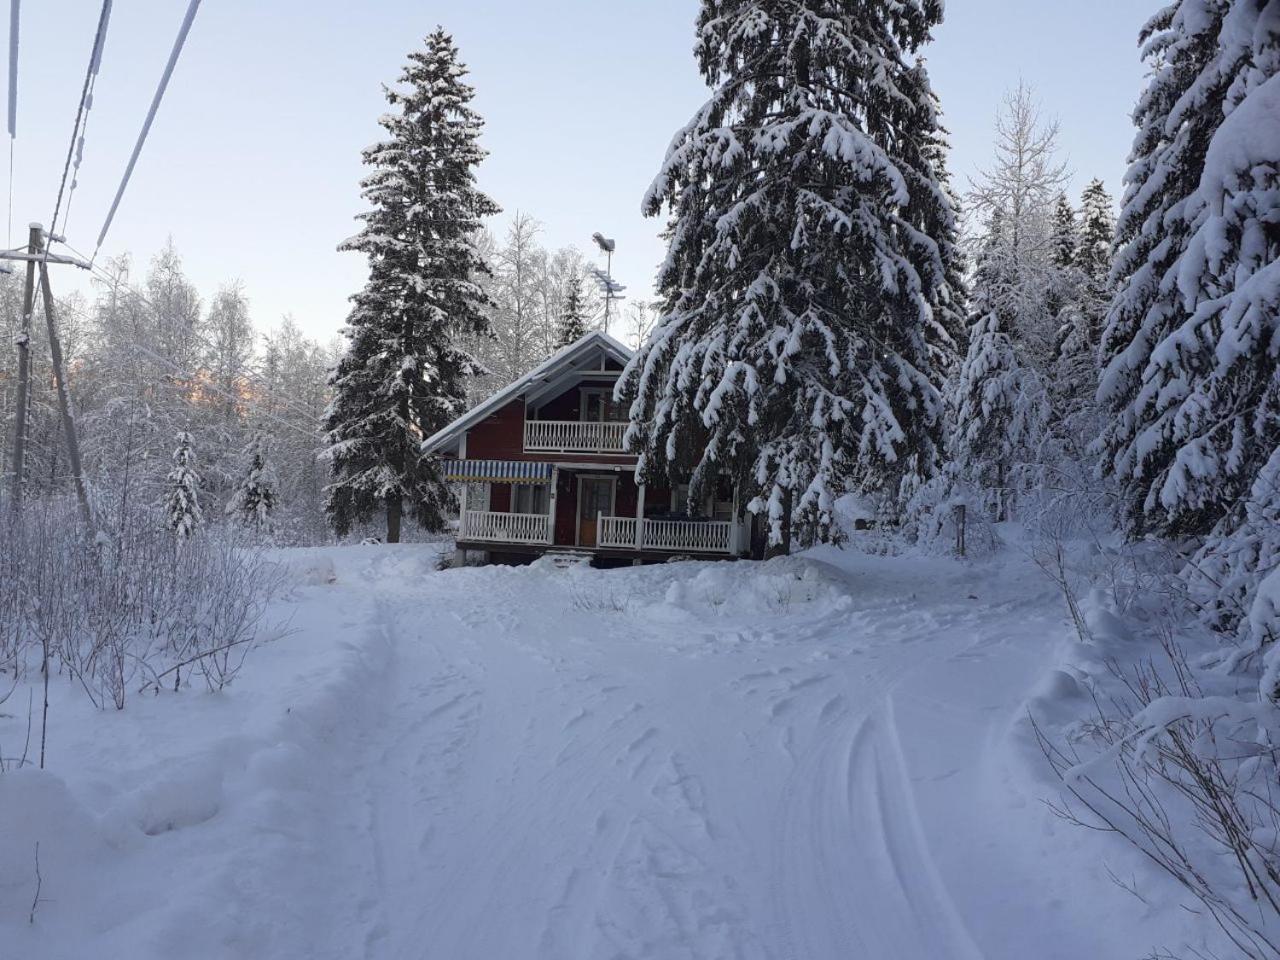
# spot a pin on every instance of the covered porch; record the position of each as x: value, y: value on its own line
x: 535, y: 506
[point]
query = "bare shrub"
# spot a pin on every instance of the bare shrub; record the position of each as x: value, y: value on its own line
x: 594, y: 596
x: 1187, y: 778
x: 133, y: 608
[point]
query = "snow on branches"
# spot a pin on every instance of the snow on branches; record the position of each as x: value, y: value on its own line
x: 182, y: 505
x: 809, y: 247
x: 404, y: 375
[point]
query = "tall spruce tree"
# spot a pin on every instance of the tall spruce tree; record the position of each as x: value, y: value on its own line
x: 1193, y: 337
x: 404, y: 373
x: 1176, y: 117
x: 573, y: 321
x: 798, y: 289
x: 938, y: 217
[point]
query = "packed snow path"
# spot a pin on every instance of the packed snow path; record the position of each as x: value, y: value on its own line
x: 705, y: 763
x: 812, y: 759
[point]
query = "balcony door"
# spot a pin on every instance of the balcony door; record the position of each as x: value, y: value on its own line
x: 595, y: 498
x: 598, y: 406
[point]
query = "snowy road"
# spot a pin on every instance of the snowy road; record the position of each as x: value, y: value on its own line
x: 812, y: 759
x: 586, y: 764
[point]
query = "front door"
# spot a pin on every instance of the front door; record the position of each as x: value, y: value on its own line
x: 595, y: 497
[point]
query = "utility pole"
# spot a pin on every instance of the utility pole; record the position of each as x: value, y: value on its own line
x: 38, y: 258
x: 64, y: 401
x: 24, y: 367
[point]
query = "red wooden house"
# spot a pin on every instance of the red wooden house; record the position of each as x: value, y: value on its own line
x: 541, y: 468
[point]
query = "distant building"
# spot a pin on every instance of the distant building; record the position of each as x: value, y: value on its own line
x: 541, y: 468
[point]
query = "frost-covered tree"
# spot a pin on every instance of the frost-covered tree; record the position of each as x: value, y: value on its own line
x: 798, y: 287
x: 404, y: 374
x: 254, y: 498
x: 1021, y: 188
x: 230, y: 346
x: 182, y: 505
x: 573, y: 321
x: 1001, y: 406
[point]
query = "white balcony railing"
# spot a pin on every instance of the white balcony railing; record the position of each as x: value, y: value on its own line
x: 617, y: 532
x: 574, y: 436
x: 675, y: 536
x: 488, y: 527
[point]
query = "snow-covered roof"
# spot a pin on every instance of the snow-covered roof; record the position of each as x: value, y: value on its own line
x: 558, y: 363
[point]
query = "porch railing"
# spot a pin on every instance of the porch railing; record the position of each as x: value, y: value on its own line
x: 486, y: 526
x: 676, y: 536
x: 574, y: 436
x: 617, y: 532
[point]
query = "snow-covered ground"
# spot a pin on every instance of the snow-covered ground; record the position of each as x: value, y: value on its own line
x: 815, y: 758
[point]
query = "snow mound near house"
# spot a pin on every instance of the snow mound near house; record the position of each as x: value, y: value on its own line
x: 767, y: 588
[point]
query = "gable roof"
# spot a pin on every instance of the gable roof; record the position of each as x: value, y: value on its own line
x: 558, y: 363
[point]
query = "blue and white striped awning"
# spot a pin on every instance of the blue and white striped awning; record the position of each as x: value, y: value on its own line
x: 497, y: 471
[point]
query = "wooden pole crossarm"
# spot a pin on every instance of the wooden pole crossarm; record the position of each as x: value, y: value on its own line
x: 43, y: 258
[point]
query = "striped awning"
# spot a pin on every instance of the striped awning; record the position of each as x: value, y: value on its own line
x: 497, y: 471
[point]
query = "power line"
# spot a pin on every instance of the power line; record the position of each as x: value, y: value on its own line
x: 91, y: 82
x: 151, y: 115
x: 95, y: 57
x: 14, y: 19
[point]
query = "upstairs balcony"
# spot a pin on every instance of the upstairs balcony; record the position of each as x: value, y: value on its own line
x: 574, y: 436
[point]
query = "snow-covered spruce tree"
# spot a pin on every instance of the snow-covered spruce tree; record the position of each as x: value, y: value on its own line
x: 182, y: 505
x: 1176, y: 117
x: 1095, y: 250
x: 1224, y: 433
x: 797, y: 290
x: 254, y: 498
x: 935, y: 212
x: 573, y: 321
x: 1087, y: 293
x: 1001, y: 407
x: 404, y: 373
x: 1065, y: 236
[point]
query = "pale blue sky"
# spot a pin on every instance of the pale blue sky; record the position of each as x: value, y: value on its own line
x: 253, y: 163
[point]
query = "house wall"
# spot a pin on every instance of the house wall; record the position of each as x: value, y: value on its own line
x: 500, y: 436
x: 500, y: 497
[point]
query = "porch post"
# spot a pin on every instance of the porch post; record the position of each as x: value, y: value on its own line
x: 639, y: 515
x: 551, y: 506
x: 735, y: 527
x: 462, y: 499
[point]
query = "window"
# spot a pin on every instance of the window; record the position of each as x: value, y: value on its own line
x: 716, y: 506
x: 598, y: 405
x: 530, y: 498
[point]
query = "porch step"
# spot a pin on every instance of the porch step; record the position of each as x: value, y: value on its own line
x: 564, y: 558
